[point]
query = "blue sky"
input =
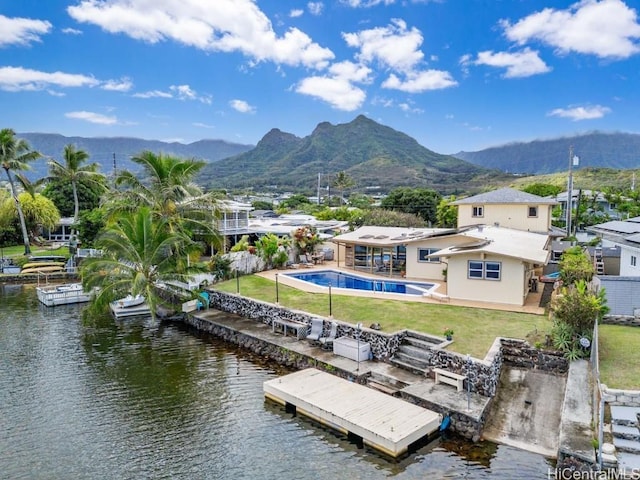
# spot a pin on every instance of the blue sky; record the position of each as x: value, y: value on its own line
x: 453, y: 74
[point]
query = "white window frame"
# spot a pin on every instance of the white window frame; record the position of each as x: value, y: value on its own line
x: 484, y: 270
x: 477, y: 211
x: 423, y: 252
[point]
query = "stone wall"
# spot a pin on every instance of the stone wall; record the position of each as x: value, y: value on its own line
x: 519, y: 353
x: 383, y: 345
x: 281, y: 355
x: 614, y: 396
x: 625, y: 320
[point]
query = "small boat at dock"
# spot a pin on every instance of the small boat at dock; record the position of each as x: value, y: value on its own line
x: 130, y: 306
x: 65, y: 294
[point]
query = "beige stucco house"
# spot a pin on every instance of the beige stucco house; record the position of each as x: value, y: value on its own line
x: 480, y: 263
x: 507, y: 207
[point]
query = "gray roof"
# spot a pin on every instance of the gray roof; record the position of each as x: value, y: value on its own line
x: 505, y: 195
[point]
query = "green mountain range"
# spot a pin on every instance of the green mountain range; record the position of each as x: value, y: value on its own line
x: 373, y: 155
x: 116, y: 152
x: 595, y: 149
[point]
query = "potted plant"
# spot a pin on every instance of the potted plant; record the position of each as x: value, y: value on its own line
x: 448, y: 333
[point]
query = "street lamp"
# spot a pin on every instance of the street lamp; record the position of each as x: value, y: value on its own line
x: 468, y: 382
x: 277, y: 294
x: 358, y: 332
x: 330, y: 305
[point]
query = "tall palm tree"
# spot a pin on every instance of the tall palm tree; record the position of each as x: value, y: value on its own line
x: 139, y: 251
x: 15, y: 155
x: 343, y: 182
x: 167, y: 187
x: 72, y: 171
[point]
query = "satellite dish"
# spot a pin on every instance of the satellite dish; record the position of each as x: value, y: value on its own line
x: 585, y: 342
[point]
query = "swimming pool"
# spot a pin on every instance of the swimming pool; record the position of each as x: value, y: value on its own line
x: 333, y: 278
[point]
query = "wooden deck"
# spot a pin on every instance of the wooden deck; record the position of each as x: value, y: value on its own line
x: 381, y: 421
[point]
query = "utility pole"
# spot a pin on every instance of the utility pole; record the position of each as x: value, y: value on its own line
x: 570, y: 191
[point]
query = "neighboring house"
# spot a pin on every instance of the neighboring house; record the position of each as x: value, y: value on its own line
x: 626, y: 235
x: 599, y: 199
x: 507, y: 207
x: 479, y: 263
x: 61, y: 232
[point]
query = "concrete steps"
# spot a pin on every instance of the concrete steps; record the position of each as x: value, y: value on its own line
x: 415, y: 352
x: 385, y: 384
x: 625, y: 428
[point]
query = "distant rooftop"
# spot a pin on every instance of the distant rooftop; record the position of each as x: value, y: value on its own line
x: 505, y: 195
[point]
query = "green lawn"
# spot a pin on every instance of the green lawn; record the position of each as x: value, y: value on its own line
x: 620, y: 356
x: 475, y: 328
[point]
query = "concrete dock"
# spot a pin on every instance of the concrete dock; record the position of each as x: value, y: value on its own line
x: 383, y: 422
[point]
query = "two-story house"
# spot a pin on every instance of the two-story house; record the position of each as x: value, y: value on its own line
x: 507, y: 207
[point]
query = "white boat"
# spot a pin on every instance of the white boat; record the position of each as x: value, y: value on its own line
x: 52, y: 295
x: 130, y: 306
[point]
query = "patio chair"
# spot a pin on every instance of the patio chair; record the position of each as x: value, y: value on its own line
x: 317, y: 325
x: 379, y: 263
x: 327, y: 342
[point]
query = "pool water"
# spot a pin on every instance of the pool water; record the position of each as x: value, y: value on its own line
x: 326, y: 278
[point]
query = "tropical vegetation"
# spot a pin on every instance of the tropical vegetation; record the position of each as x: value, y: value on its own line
x: 15, y: 156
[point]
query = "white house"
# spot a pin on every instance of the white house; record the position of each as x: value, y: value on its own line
x: 626, y: 235
x: 480, y: 263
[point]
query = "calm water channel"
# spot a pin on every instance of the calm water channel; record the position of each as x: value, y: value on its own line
x: 129, y: 400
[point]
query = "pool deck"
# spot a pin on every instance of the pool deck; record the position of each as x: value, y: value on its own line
x: 532, y: 304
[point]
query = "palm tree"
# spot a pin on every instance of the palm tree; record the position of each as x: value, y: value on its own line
x: 167, y: 187
x: 73, y: 171
x: 139, y: 252
x: 343, y: 182
x: 15, y: 155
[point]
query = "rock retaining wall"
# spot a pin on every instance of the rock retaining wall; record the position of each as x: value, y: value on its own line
x: 519, y: 353
x: 626, y: 320
x: 614, y: 396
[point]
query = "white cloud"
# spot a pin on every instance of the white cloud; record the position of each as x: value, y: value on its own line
x: 242, y: 106
x: 203, y: 125
x: 580, y: 113
x: 21, y: 31
x: 315, y: 8
x: 605, y: 28
x: 185, y: 92
x: 220, y: 25
x: 393, y: 46
x: 519, y: 64
x: 180, y: 92
x: 417, y: 82
x: 153, y: 94
x: 296, y: 12
x: 71, y: 31
x: 122, y: 85
x: 92, y: 117
x: 367, y: 3
x: 337, y: 88
x: 15, y: 79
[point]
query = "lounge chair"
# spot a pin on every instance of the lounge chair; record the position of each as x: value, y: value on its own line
x: 379, y: 263
x: 317, y: 325
x: 327, y: 342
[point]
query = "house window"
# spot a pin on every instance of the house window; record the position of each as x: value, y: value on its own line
x: 476, y: 269
x: 633, y: 260
x: 478, y: 211
x: 484, y: 270
x: 423, y: 255
x: 533, y: 211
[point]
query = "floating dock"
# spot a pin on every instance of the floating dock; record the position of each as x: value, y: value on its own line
x: 383, y: 422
